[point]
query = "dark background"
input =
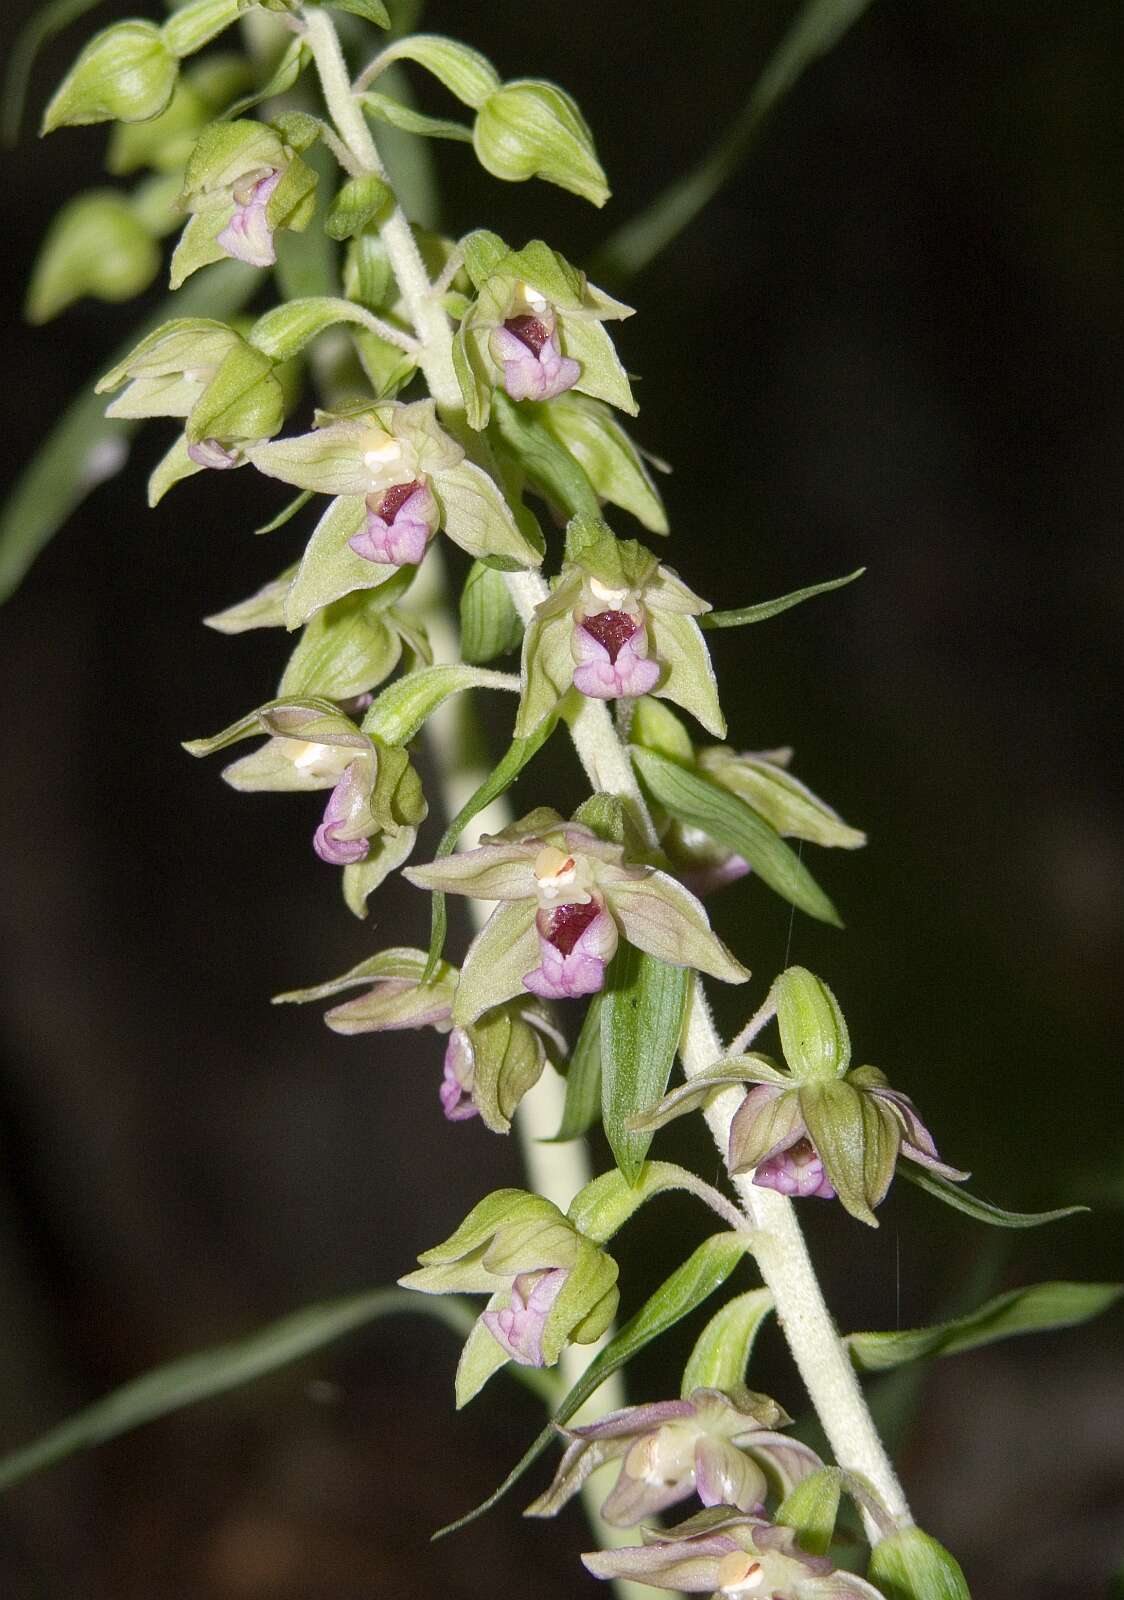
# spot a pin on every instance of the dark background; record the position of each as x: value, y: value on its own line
x: 894, y: 339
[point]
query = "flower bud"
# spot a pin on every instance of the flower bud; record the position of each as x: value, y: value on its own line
x: 532, y: 129
x: 126, y: 73
x: 96, y: 246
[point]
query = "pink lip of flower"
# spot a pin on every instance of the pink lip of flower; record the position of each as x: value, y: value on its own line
x: 796, y: 1171
x: 519, y: 1327
x: 608, y: 648
x: 456, y: 1088
x: 343, y: 801
x: 534, y: 367
x: 210, y: 453
x: 248, y: 236
x: 400, y: 524
x: 576, y: 941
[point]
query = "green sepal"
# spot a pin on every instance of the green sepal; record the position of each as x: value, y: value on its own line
x: 552, y: 469
x: 582, y: 1107
x: 507, y: 1062
x: 399, y: 962
x: 164, y: 142
x: 722, y: 1350
x: 166, y: 353
x: 532, y: 129
x: 464, y: 72
x: 293, y: 203
x: 285, y: 330
x: 224, y: 153
x: 345, y: 650
x: 602, y: 376
x: 497, y: 961
x: 173, y: 467
x: 547, y: 671
x: 603, y: 1206
x: 656, y: 728
x: 483, y: 252
x: 308, y: 718
x: 126, y: 73
x: 396, y: 115
x: 689, y: 1096
x: 697, y: 801
x: 195, y: 24
x: 688, y: 678
x: 810, y: 1510
x: 244, y: 400
x: 612, y: 463
x: 96, y: 246
x: 357, y: 203
x: 641, y: 1021
x: 490, y: 624
x: 660, y: 916
x: 1035, y: 1309
x: 386, y: 854
x: 763, y: 782
x: 857, y: 1137
x: 263, y: 609
x: 329, y: 569
x: 476, y: 516
x: 910, y: 1565
x: 197, y: 246
x: 814, y: 1036
x: 501, y: 1208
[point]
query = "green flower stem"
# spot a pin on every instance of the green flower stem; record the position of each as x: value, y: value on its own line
x: 781, y: 1252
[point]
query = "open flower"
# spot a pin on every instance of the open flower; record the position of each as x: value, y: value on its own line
x: 396, y: 477
x: 724, y: 1552
x: 534, y: 330
x: 549, y: 1285
x: 489, y: 1065
x: 566, y: 896
x: 713, y: 1444
x: 616, y: 625
x: 375, y: 805
x: 817, y: 1127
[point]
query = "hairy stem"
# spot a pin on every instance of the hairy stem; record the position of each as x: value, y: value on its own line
x: 781, y: 1252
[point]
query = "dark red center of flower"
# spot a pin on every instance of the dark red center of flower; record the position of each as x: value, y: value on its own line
x: 530, y: 331
x: 568, y: 923
x: 394, y: 499
x: 611, y: 629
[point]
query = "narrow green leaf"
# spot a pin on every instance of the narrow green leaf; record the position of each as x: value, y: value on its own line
x: 773, y: 608
x: 705, y: 1270
x: 583, y: 1080
x: 42, y: 24
x: 1031, y: 1310
x: 955, y: 1195
x: 722, y: 1350
x: 909, y: 1565
x: 396, y: 115
x: 490, y: 624
x: 85, y: 447
x: 817, y: 29
x: 519, y: 752
x: 641, y: 1020
x: 399, y: 712
x: 729, y: 821
x: 211, y: 1372
x: 811, y: 1508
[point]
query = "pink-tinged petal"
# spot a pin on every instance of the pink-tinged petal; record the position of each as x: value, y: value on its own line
x: 633, y: 1500
x: 767, y: 1122
x: 346, y: 800
x: 917, y: 1142
x: 210, y: 453
x: 788, y: 1458
x: 634, y: 1420
x: 796, y: 1171
x: 726, y: 1477
x: 707, y: 880
x: 518, y: 1328
x: 534, y: 368
x: 459, y: 1074
x: 400, y: 524
x: 248, y: 236
x: 576, y: 943
x: 688, y: 1564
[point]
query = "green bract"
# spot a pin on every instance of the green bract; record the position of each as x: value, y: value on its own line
x: 126, y: 73
x: 532, y: 129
